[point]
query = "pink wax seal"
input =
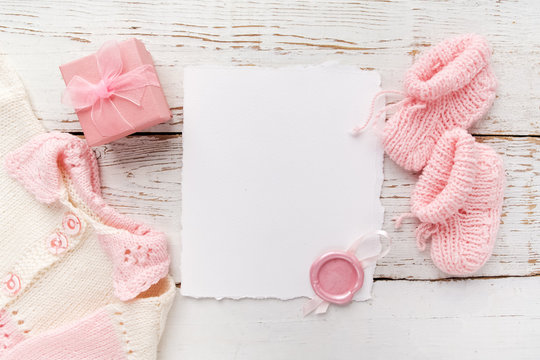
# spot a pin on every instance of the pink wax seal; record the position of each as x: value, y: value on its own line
x: 337, y: 275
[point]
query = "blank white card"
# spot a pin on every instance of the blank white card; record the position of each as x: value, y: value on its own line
x: 272, y: 177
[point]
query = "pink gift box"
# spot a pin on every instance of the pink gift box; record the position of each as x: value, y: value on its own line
x: 118, y: 116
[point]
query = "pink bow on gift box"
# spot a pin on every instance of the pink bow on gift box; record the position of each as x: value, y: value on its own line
x: 82, y: 94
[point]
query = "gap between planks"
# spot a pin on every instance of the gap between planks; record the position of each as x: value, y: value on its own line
x: 179, y: 285
x: 179, y: 133
x: 142, y: 177
x: 387, y: 36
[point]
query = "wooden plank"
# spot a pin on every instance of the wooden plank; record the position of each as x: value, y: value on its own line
x: 465, y: 319
x: 481, y: 318
x: 371, y: 34
x: 142, y: 175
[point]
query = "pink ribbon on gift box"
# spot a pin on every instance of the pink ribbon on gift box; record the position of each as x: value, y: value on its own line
x: 82, y: 94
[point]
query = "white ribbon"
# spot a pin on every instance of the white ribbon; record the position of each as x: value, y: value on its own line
x: 318, y: 305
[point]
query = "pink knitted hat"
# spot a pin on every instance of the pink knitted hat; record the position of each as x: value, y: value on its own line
x: 458, y: 200
x: 451, y: 86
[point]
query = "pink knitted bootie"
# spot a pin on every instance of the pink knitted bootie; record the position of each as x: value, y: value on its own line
x: 458, y: 200
x: 451, y: 86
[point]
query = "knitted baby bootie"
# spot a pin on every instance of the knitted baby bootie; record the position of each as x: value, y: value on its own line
x: 458, y: 199
x: 452, y: 86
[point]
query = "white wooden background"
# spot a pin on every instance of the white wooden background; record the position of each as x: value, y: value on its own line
x: 415, y: 312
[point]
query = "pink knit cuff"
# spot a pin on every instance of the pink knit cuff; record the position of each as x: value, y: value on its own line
x: 91, y: 338
x: 138, y: 253
x: 10, y: 334
x: 140, y: 261
x: 447, y: 67
x: 447, y: 180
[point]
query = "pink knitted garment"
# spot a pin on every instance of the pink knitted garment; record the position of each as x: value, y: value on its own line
x: 139, y: 253
x: 67, y: 257
x: 10, y: 334
x: 91, y: 338
x: 458, y: 200
x: 117, y: 331
x: 451, y: 86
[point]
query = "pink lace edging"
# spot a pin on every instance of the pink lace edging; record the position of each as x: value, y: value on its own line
x: 139, y: 254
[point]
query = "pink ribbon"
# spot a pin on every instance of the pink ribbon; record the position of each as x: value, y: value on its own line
x: 82, y: 94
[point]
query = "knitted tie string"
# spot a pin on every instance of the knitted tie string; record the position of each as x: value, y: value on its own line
x: 399, y: 219
x: 424, y: 231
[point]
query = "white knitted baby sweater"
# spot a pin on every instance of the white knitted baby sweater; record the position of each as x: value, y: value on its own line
x: 67, y: 259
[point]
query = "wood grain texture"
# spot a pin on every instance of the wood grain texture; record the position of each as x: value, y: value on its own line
x: 496, y: 319
x: 415, y: 312
x: 382, y: 35
x: 142, y: 177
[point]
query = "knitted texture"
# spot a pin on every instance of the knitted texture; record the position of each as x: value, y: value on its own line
x: 61, y: 247
x: 114, y: 332
x: 139, y: 254
x: 451, y: 86
x: 458, y: 199
x: 76, y: 342
x: 10, y: 334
